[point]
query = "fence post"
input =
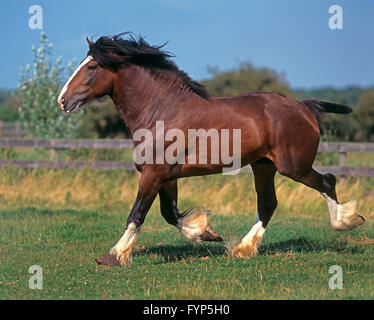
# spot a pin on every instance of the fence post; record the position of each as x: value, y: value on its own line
x: 342, y: 161
x: 17, y: 129
x: 342, y: 158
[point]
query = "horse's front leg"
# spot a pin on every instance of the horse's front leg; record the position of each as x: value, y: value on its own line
x: 120, y: 254
x: 193, y: 226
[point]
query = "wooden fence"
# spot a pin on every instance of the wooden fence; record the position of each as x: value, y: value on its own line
x: 11, y: 129
x: 341, y: 169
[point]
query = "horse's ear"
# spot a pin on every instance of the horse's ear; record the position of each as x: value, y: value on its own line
x: 90, y: 43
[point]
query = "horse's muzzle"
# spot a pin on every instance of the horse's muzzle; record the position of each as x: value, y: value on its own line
x: 69, y: 107
x: 61, y: 102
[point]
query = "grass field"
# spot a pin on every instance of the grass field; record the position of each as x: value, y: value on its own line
x: 62, y: 220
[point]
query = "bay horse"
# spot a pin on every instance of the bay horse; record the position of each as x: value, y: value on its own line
x: 278, y: 133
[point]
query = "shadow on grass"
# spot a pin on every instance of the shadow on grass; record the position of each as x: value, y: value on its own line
x: 303, y: 245
x: 172, y: 253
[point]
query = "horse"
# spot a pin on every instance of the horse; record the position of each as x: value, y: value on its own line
x: 278, y: 134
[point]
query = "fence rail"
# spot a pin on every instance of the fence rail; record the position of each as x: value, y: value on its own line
x: 68, y: 144
x: 11, y: 129
x: 342, y: 148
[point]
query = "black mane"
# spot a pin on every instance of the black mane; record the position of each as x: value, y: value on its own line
x: 111, y: 52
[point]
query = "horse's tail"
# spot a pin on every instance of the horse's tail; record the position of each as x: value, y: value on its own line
x: 318, y: 107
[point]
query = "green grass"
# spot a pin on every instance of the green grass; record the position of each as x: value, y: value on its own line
x: 62, y: 220
x: 293, y: 263
x: 21, y: 153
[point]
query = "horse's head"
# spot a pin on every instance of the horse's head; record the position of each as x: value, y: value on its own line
x: 106, y: 65
x: 89, y: 81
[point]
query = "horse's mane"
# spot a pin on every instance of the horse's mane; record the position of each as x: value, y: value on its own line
x: 111, y: 52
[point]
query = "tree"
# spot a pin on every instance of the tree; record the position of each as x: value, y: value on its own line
x: 243, y: 79
x: 8, y: 106
x: 37, y: 95
x: 364, y: 115
x: 101, y: 120
x: 336, y: 127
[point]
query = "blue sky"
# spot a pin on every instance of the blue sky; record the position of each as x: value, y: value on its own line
x: 290, y: 36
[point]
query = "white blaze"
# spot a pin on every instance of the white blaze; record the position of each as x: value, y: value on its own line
x: 85, y: 61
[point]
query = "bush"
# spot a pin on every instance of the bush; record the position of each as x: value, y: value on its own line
x: 37, y: 95
x: 243, y: 79
x: 364, y: 115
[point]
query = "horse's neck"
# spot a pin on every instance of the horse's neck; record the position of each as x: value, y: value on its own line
x: 141, y: 98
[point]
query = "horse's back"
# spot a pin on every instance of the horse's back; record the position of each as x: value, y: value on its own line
x: 275, y: 106
x: 274, y: 122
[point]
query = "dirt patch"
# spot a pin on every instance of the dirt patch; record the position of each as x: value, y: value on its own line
x: 364, y: 240
x: 285, y: 254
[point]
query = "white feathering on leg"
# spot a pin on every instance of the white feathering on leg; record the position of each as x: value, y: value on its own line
x: 249, y: 245
x: 343, y: 217
x: 124, y: 246
x: 193, y: 226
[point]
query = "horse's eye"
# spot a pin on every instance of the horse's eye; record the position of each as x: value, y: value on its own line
x: 92, y: 67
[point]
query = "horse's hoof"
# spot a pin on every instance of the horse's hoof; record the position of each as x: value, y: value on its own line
x: 108, y: 260
x: 210, y: 235
x: 195, y: 227
x: 344, y: 217
x: 243, y: 251
x: 363, y: 220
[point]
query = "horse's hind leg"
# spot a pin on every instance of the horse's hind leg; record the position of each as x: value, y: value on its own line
x: 194, y: 227
x: 343, y: 217
x: 263, y: 171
